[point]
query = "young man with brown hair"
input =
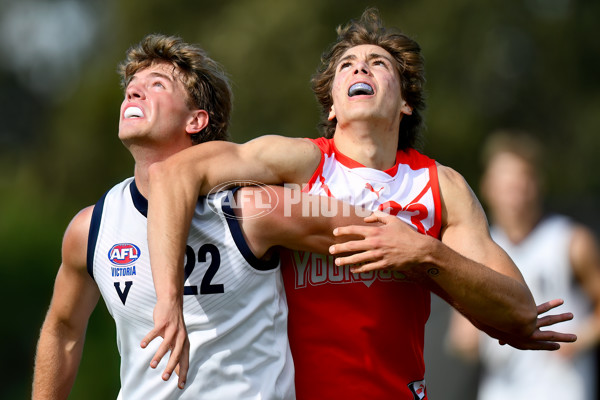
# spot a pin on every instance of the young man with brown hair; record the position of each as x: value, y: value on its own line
x: 357, y: 332
x: 234, y: 304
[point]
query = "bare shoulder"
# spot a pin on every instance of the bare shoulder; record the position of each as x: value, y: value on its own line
x: 75, y: 292
x: 451, y: 180
x: 459, y: 202
x: 74, y: 246
x: 584, y: 249
x: 583, y: 237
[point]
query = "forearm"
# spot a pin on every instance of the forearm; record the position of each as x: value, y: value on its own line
x: 480, y: 278
x: 176, y: 184
x: 297, y: 221
x: 490, y: 290
x: 171, y: 202
x: 486, y: 296
x: 56, y: 364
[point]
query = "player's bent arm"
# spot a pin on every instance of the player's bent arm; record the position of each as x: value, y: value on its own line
x: 297, y: 221
x: 176, y: 183
x: 466, y: 268
x: 476, y: 274
x: 75, y: 295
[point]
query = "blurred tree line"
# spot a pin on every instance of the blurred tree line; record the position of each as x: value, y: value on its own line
x: 529, y: 64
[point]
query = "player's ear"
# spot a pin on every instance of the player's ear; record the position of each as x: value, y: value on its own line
x: 405, y: 108
x: 197, y: 121
x: 331, y: 116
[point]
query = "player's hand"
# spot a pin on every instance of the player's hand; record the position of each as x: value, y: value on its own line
x: 387, y: 243
x: 169, y: 324
x: 544, y: 340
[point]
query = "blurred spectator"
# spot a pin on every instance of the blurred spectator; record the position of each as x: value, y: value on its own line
x: 558, y: 258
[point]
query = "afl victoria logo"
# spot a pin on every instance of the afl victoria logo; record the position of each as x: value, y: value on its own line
x: 124, y: 254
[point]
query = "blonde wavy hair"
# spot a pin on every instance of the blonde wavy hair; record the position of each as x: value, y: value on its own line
x: 203, y: 78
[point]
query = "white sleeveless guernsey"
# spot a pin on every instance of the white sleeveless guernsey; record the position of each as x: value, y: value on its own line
x: 543, y: 258
x: 234, y: 305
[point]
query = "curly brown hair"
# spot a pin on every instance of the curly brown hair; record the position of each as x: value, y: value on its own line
x: 204, y: 79
x: 369, y: 29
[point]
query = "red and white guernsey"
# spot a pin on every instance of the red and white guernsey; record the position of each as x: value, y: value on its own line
x: 362, y: 336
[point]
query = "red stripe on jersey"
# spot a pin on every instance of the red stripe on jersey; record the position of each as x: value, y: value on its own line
x: 322, y: 144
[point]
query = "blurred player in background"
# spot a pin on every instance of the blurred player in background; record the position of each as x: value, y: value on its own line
x: 558, y: 258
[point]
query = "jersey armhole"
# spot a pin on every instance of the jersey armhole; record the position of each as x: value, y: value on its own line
x: 240, y: 241
x: 437, y: 200
x: 93, y: 235
x: 322, y: 144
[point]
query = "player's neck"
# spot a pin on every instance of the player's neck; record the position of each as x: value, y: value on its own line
x: 145, y: 156
x: 518, y: 226
x: 373, y: 149
x: 140, y: 174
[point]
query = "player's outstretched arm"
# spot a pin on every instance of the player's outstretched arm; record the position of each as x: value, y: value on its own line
x: 305, y: 222
x: 463, y: 336
x: 294, y: 220
x: 466, y: 267
x: 75, y: 295
x: 543, y: 339
x: 175, y: 185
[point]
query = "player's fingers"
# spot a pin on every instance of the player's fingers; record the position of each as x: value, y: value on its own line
x: 175, y: 357
x: 377, y: 216
x: 534, y: 345
x: 360, y: 230
x: 547, y: 346
x: 549, y: 305
x: 351, y: 246
x: 184, y: 363
x: 153, y: 334
x: 358, y: 258
x: 369, y: 266
x: 160, y: 353
x: 171, y: 364
x: 380, y: 216
x: 552, y: 336
x: 553, y: 319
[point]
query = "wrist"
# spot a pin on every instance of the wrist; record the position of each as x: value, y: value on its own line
x: 172, y: 296
x: 434, y: 255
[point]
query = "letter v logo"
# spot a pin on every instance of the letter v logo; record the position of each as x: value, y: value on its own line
x: 123, y: 295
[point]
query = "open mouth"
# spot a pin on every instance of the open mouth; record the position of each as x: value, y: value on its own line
x: 133, y: 112
x: 359, y: 89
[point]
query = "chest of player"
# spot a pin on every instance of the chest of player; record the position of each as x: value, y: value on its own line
x: 408, y: 193
x: 218, y: 278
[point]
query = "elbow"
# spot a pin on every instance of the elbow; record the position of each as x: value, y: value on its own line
x: 166, y: 175
x: 177, y: 173
x: 158, y: 172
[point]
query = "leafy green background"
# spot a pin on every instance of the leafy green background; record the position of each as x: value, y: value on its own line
x: 530, y: 64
